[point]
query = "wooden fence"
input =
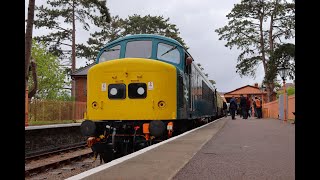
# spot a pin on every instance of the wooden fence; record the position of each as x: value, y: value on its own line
x: 46, y: 110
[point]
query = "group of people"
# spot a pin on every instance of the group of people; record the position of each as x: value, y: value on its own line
x: 246, y: 107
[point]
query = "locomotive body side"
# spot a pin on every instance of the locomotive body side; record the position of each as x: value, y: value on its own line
x: 202, y: 95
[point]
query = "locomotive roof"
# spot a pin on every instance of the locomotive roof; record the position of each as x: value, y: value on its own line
x: 138, y: 36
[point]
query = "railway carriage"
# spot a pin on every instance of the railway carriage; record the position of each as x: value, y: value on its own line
x: 144, y: 89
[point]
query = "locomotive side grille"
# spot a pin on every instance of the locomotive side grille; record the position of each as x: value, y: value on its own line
x: 180, y: 90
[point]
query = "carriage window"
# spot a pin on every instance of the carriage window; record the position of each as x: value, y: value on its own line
x: 168, y: 53
x: 139, y: 49
x: 109, y: 54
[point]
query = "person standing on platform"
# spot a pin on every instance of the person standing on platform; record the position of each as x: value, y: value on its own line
x: 258, y: 107
x: 233, y: 107
x: 243, y: 105
x: 254, y: 108
x: 225, y: 109
x: 248, y: 107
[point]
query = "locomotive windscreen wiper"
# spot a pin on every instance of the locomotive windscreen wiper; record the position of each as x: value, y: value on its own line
x: 107, y: 50
x: 173, y: 48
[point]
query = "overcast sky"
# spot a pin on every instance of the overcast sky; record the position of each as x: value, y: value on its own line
x: 196, y: 20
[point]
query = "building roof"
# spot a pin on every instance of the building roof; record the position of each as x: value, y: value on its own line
x: 82, y: 71
x: 248, y: 89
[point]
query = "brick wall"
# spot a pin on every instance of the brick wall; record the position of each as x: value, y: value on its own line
x: 40, y: 140
x: 271, y: 109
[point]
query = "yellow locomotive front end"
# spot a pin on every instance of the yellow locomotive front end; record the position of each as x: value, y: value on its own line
x: 131, y: 89
x: 132, y: 99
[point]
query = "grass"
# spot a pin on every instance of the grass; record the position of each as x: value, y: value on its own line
x: 37, y: 123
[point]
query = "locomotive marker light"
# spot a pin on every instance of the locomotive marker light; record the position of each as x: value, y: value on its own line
x: 140, y: 90
x: 117, y: 91
x: 113, y: 91
x: 189, y: 60
x: 137, y: 90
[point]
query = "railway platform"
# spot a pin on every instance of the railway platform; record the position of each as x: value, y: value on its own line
x: 222, y: 149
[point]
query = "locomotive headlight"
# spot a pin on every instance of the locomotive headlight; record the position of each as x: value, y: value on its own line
x: 140, y: 90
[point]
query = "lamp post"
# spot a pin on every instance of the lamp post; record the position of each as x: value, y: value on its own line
x: 283, y: 71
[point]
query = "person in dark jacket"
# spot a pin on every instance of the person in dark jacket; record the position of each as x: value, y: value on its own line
x: 254, y: 108
x: 225, y: 109
x: 248, y: 107
x: 233, y: 107
x: 243, y: 105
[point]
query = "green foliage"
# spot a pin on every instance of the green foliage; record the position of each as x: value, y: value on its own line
x: 134, y: 24
x: 109, y: 32
x: 290, y: 91
x: 151, y: 25
x: 50, y: 76
x: 284, y: 54
x: 37, y: 123
x: 256, y: 28
x: 57, y: 16
x: 212, y: 82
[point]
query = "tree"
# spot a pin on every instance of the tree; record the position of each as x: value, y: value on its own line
x: 28, y: 44
x: 28, y: 38
x: 284, y: 55
x: 109, y: 32
x: 151, y: 25
x: 290, y: 91
x: 51, y: 81
x: 212, y: 82
x: 257, y: 28
x: 134, y: 24
x: 58, y: 15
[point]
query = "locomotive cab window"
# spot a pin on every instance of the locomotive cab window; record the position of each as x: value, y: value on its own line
x: 168, y: 53
x: 109, y: 54
x: 139, y: 49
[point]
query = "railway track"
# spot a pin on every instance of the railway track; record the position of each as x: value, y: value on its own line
x: 50, y: 160
x: 50, y: 152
